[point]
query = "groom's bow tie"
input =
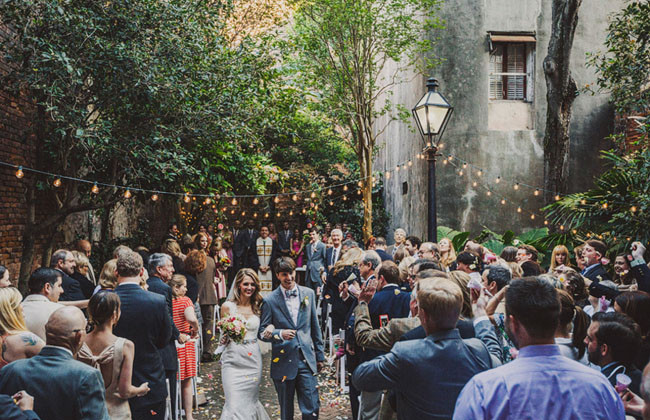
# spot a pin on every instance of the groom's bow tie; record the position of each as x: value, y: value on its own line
x: 291, y: 293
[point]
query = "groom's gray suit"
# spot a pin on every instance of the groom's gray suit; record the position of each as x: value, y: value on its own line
x: 293, y: 364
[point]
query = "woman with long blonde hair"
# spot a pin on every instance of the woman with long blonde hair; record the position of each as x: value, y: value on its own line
x: 15, y: 340
x: 346, y: 268
x: 241, y: 363
x: 447, y: 253
x: 560, y: 256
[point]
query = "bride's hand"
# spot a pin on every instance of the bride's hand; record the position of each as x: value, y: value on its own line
x: 268, y: 331
x: 224, y: 340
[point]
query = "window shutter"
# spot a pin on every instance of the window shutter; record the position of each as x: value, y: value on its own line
x: 530, y: 71
x: 516, y: 64
x: 496, y: 67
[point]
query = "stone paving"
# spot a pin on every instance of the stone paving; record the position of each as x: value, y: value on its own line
x: 334, y: 406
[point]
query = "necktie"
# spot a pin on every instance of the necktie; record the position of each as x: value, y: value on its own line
x: 291, y: 293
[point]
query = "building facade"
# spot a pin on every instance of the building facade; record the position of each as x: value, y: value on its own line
x: 492, y: 52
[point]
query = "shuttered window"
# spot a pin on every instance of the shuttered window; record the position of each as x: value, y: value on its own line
x: 511, y: 71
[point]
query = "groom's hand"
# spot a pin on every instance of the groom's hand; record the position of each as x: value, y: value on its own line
x: 288, y: 334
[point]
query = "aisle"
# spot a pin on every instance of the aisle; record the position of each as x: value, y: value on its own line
x: 333, y: 406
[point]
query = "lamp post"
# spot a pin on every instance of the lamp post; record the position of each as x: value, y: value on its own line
x: 431, y: 115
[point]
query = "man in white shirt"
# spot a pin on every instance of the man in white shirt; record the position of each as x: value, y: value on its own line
x: 334, y: 252
x: 86, y: 248
x: 45, y: 287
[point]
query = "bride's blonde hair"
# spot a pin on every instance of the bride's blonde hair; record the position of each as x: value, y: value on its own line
x: 256, y: 298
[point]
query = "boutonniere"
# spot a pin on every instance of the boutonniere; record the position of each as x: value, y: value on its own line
x: 305, y: 301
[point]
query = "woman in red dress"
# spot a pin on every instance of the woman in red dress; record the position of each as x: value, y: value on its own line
x: 188, y: 326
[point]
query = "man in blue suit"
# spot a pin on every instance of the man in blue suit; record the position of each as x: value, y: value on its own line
x: 297, y: 350
x: 429, y: 374
x: 63, y: 388
x: 145, y: 321
x: 316, y: 264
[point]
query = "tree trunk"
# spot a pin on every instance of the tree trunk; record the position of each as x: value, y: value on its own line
x: 29, y: 240
x: 561, y: 91
x: 365, y: 165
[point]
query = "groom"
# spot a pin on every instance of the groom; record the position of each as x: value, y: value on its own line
x: 297, y: 342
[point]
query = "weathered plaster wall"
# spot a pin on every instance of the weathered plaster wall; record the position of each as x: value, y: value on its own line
x: 515, y: 154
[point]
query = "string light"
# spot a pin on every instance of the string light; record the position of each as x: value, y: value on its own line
x: 397, y: 168
x: 546, y: 222
x: 127, y: 193
x: 464, y: 165
x: 474, y: 184
x: 207, y: 201
x: 460, y: 173
x: 583, y: 201
x: 479, y: 172
x: 276, y: 200
x: 360, y: 184
x: 358, y: 192
x: 329, y: 191
x: 605, y: 205
x: 633, y: 209
x: 278, y: 214
x: 516, y: 187
x: 187, y: 198
x: 532, y: 217
x: 345, y: 188
x: 312, y: 195
x: 444, y: 161
x: 518, y: 209
x: 331, y: 203
x: 498, y: 179
x: 243, y: 213
x: 57, y: 182
x: 232, y: 211
x: 20, y: 173
x: 256, y: 201
x: 387, y: 174
x: 224, y: 209
x: 234, y: 202
x: 410, y: 163
x: 95, y: 189
x: 503, y: 201
x: 561, y: 227
x: 255, y: 215
x: 489, y: 193
x: 345, y: 198
x: 304, y: 211
x: 291, y: 213
x: 154, y: 197
x: 557, y: 197
x: 536, y: 193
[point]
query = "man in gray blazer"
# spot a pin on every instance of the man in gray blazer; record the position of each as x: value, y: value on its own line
x: 315, y: 251
x: 290, y: 322
x: 63, y: 388
x: 429, y: 374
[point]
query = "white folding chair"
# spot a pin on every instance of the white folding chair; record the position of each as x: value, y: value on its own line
x: 168, y: 403
x: 328, y: 333
x: 344, y: 387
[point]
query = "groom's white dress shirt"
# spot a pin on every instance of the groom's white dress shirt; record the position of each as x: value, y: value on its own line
x: 293, y: 303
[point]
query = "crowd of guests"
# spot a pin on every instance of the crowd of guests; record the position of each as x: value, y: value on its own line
x: 427, y: 331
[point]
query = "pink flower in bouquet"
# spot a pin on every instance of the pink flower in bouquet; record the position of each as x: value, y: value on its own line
x: 220, y: 226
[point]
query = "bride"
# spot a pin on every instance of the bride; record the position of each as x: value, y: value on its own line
x: 241, y: 364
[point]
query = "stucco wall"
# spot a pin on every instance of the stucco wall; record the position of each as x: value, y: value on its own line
x: 514, y: 154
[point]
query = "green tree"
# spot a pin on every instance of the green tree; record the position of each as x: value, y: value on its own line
x: 351, y: 54
x: 146, y: 94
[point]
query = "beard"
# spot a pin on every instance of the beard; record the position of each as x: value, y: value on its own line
x: 511, y: 334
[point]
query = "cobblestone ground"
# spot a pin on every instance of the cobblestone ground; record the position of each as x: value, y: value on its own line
x: 334, y: 406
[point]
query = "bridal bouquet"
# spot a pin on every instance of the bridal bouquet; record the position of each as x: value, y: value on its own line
x: 232, y: 328
x: 223, y: 263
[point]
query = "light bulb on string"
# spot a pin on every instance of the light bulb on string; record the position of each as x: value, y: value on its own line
x: 605, y: 206
x: 266, y: 215
x: 243, y: 213
x: 57, y: 182
x: 127, y: 193
x: 95, y: 189
x: 290, y: 212
x: 358, y: 192
x: 345, y: 188
x: 479, y: 172
x: 387, y: 175
x: 460, y: 173
x: 518, y: 209
x: 345, y: 198
x: 207, y: 201
x: 633, y: 209
x: 360, y: 184
x: 20, y: 173
x: 464, y: 165
x: 232, y: 211
x: 234, y: 201
x: 489, y: 193
x: 187, y: 198
x: 397, y: 168
x: 557, y: 197
x: 256, y: 201
x: 532, y: 217
x: 516, y: 187
x: 278, y: 214
x: 255, y: 215
x: 583, y: 202
x: 224, y: 209
x: 498, y: 179
x: 304, y: 211
x: 536, y: 193
x: 546, y: 222
x: 154, y: 197
x: 313, y: 195
x: 450, y: 157
x: 276, y: 200
x: 561, y: 227
x: 331, y: 203
x: 410, y: 163
x: 441, y: 146
x: 503, y: 201
x: 329, y: 191
x: 316, y: 207
x: 444, y: 161
x: 474, y: 184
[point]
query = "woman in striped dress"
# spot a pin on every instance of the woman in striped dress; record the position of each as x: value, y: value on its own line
x: 187, y: 324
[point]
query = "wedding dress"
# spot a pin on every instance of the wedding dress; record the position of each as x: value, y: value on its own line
x: 241, y: 373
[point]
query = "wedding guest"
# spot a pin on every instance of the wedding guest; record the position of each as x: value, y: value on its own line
x: 121, y: 250
x: 188, y: 325
x: 221, y: 263
x: 4, y: 277
x: 85, y: 247
x: 161, y: 270
x: 526, y: 253
x: 400, y: 237
x: 316, y: 264
x: 428, y: 374
x: 63, y: 388
x: 636, y: 406
x: 572, y: 329
x: 594, y: 272
x: 574, y: 284
x: 333, y: 253
x: 172, y: 232
x: 80, y: 274
x: 285, y: 238
x: 622, y: 274
x: 612, y: 343
x: 108, y: 276
x: 412, y: 244
x: 526, y: 387
x: 494, y: 278
x: 260, y: 258
x: 297, y: 248
x: 19, y: 406
x: 194, y: 263
x: 111, y: 355
x: 509, y: 254
x: 636, y: 305
x: 63, y: 261
x: 380, y: 249
x: 16, y: 340
x: 559, y: 257
x: 344, y: 269
x: 273, y: 234
x: 207, y: 295
x: 429, y: 251
x: 530, y: 268
x: 447, y: 254
x: 44, y: 291
x: 173, y: 249
x: 146, y: 322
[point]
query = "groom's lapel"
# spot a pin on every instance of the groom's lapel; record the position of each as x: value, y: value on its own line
x: 283, y: 305
x: 302, y: 309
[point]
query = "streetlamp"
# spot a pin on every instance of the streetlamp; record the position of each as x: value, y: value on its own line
x: 431, y: 115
